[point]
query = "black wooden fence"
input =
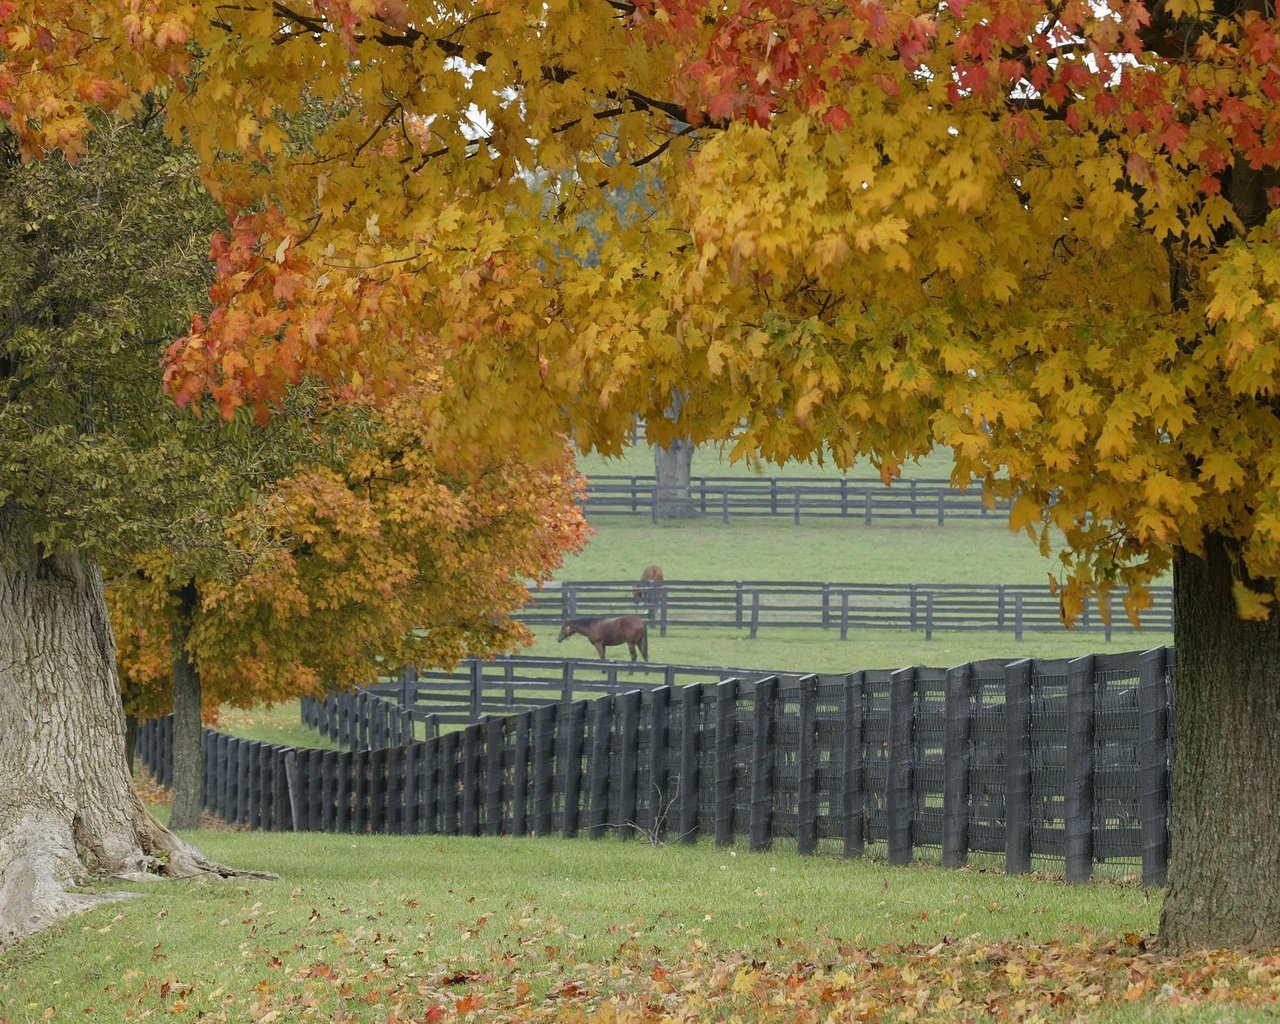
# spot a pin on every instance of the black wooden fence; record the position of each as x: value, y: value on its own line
x: 1065, y: 761
x: 750, y: 606
x: 796, y: 497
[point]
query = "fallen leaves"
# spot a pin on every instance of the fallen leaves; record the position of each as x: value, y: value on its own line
x: 516, y: 974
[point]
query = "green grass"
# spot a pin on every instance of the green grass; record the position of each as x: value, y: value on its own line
x: 279, y: 723
x: 358, y: 927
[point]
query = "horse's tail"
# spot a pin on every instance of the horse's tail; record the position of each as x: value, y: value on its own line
x: 644, y: 643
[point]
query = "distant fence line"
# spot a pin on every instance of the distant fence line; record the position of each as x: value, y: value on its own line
x: 1066, y: 760
x: 754, y: 605
x: 800, y: 498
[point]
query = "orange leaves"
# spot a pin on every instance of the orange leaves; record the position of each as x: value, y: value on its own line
x: 402, y: 553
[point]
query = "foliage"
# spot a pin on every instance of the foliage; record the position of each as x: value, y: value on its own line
x: 399, y: 553
x: 939, y: 184
x: 103, y: 262
x: 704, y: 933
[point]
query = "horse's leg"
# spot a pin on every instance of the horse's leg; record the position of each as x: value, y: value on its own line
x: 632, y: 648
x: 599, y: 645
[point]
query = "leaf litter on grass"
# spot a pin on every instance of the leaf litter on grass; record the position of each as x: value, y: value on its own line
x: 524, y: 969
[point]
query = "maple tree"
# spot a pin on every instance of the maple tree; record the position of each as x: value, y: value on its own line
x: 396, y: 553
x: 1040, y: 233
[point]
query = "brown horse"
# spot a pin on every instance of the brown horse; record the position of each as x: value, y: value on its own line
x: 649, y: 589
x: 609, y: 631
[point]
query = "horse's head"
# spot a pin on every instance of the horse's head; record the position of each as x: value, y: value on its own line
x: 566, y: 631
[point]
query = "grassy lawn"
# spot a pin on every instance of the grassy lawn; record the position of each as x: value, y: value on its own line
x: 428, y: 929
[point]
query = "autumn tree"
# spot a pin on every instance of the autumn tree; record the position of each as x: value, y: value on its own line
x: 395, y: 553
x: 102, y: 263
x: 1040, y: 233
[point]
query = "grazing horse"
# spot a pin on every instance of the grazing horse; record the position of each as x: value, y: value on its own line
x: 649, y: 589
x: 609, y: 631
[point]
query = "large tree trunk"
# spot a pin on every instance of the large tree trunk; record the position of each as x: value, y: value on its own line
x: 67, y: 804
x: 672, y: 466
x: 1224, y: 874
x: 188, y: 730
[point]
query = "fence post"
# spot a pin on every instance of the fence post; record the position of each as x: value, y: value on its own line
x: 942, y: 508
x: 476, y: 669
x: 755, y: 613
x: 575, y: 729
x: 291, y: 783
x: 544, y: 724
x: 494, y: 743
x: 411, y: 764
x: 566, y: 682
x: 797, y: 510
x: 1078, y: 810
x: 660, y: 801
x: 899, y: 804
x: 1017, y: 761
x: 520, y: 776
x: 408, y: 686
x: 844, y: 615
x: 470, y: 779
x: 449, y: 783
x: 628, y: 762
x: 928, y: 615
x: 1017, y: 616
x: 853, y: 804
x: 1153, y: 770
x: 690, y: 718
x: 807, y: 763
x: 598, y: 767
x: 328, y: 790
x: 766, y: 693
x: 726, y: 740
x: 431, y: 782
x: 955, y: 781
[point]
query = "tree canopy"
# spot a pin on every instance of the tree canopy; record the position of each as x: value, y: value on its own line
x: 1039, y: 232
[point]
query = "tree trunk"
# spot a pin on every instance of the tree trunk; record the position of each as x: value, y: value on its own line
x: 1224, y: 872
x: 67, y: 806
x: 188, y: 729
x: 671, y: 466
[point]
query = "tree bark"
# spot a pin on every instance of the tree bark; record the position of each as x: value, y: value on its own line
x: 188, y: 729
x: 672, y: 467
x: 1224, y: 872
x: 68, y: 809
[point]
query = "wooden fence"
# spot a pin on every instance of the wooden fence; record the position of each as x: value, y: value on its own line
x: 797, y: 497
x: 1062, y: 761
x: 750, y: 606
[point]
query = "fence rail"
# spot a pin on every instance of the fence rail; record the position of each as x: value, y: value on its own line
x: 750, y: 606
x: 797, y: 497
x: 1061, y: 760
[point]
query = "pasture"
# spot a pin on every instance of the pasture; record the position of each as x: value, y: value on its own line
x: 361, y: 928
x: 844, y: 551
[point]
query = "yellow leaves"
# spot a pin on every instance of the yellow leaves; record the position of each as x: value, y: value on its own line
x: 1250, y: 603
x: 1024, y: 513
